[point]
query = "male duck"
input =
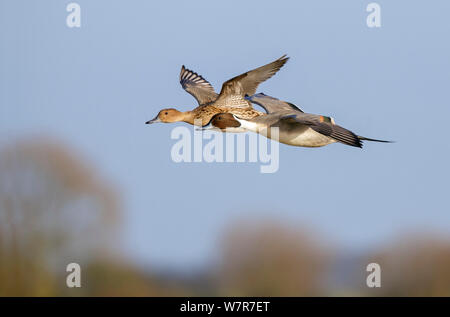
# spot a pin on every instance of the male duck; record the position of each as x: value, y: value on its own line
x: 295, y: 127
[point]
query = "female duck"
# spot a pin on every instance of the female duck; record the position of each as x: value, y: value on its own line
x: 230, y: 100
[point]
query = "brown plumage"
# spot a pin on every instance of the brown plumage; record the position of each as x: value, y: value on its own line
x: 230, y: 100
x: 204, y: 113
x: 224, y: 121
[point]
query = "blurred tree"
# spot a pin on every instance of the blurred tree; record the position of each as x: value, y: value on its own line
x: 416, y: 265
x: 119, y: 278
x: 53, y: 211
x: 267, y: 258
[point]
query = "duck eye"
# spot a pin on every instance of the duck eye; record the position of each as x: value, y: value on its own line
x: 166, y: 112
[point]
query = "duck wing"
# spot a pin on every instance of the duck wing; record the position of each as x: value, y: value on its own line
x: 325, y: 125
x: 271, y: 104
x: 234, y: 90
x: 197, y: 86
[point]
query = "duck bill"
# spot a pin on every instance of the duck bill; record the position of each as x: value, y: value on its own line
x: 154, y: 120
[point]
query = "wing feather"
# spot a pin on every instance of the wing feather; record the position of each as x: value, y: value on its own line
x: 329, y: 129
x: 271, y: 104
x: 197, y: 86
x: 234, y: 90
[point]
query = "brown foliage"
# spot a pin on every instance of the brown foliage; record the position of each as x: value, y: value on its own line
x: 415, y: 265
x: 53, y: 210
x: 270, y: 259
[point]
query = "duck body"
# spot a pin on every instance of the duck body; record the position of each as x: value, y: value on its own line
x: 294, y: 127
x: 203, y: 114
x: 290, y: 133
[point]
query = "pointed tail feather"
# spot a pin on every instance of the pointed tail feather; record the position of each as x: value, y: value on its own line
x: 373, y: 140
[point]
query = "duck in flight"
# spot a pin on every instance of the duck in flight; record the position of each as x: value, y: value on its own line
x: 230, y: 100
x: 295, y: 127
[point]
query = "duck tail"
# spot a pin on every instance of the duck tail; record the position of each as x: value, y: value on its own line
x: 362, y: 138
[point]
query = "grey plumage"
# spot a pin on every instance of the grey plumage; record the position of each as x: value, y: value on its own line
x: 271, y: 104
x: 287, y: 115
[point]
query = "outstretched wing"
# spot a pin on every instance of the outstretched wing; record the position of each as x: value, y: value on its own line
x: 234, y: 90
x: 197, y: 86
x: 325, y: 125
x: 271, y: 104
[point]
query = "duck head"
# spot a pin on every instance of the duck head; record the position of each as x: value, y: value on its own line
x: 168, y: 115
x: 222, y: 121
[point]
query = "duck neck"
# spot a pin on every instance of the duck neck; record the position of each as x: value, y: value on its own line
x: 188, y: 117
x: 251, y: 126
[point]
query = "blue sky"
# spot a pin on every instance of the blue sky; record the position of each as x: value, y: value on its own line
x: 94, y: 87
